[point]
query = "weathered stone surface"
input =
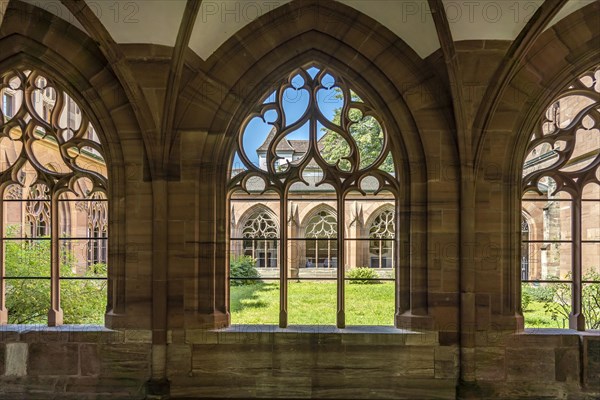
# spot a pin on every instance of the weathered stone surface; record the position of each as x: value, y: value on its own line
x: 490, y: 364
x: 53, y: 359
x: 567, y: 364
x: 16, y: 359
x: 530, y: 364
x: 2, y: 358
x: 124, y: 360
x: 591, y: 362
x: 89, y: 360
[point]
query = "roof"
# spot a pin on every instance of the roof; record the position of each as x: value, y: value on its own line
x: 283, y: 145
x: 297, y: 146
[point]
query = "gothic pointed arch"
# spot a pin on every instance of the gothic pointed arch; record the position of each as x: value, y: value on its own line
x: 560, y: 185
x: 310, y: 151
x: 96, y: 97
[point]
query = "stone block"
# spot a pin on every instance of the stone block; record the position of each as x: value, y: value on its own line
x: 530, y: 364
x: 53, y: 359
x: 490, y: 363
x: 89, y: 360
x: 124, y: 360
x: 567, y: 364
x: 227, y: 357
x: 2, y: 358
x: 591, y: 362
x: 179, y: 359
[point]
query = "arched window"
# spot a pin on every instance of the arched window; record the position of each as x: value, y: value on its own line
x: 50, y: 163
x: 381, y: 247
x: 524, y: 249
x: 97, y: 216
x: 37, y: 212
x: 322, y: 251
x: 312, y: 139
x: 561, y: 194
x: 260, y: 233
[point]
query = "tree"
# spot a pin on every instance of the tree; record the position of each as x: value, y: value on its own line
x: 28, y: 300
x: 368, y: 135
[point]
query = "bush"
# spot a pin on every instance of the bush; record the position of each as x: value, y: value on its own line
x: 242, y: 267
x: 557, y: 300
x: 363, y: 276
x: 537, y: 294
x: 526, y: 296
x: 28, y: 300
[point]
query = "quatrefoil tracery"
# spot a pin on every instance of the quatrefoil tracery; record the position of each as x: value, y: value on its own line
x: 347, y: 171
x: 559, y: 141
x: 41, y: 118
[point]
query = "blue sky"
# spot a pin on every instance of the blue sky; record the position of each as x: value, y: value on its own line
x: 294, y: 105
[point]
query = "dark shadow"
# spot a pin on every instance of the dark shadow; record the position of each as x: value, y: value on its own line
x: 250, y: 295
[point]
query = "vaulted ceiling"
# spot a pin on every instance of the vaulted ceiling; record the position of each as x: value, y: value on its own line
x: 159, y: 21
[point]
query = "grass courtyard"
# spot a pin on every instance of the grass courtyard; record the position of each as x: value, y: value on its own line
x: 313, y: 303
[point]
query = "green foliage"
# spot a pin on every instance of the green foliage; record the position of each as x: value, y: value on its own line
x: 363, y: 276
x: 530, y: 294
x: 555, y: 299
x: 84, y: 301
x: 28, y: 300
x: 367, y: 133
x: 243, y: 267
x: 526, y: 296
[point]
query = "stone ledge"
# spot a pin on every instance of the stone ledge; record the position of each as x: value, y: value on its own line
x: 562, y: 332
x: 298, y: 334
x: 64, y: 333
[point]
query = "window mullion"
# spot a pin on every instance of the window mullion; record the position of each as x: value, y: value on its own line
x: 55, y: 315
x: 3, y: 310
x: 283, y: 269
x: 576, y: 319
x: 341, y: 257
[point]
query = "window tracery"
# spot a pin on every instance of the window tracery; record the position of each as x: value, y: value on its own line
x: 321, y: 253
x: 561, y: 177
x: 312, y: 137
x: 48, y: 152
x: 257, y: 231
x: 382, y: 230
x: 37, y: 212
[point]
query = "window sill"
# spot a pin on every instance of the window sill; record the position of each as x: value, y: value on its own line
x: 23, y: 328
x: 70, y: 334
x: 560, y: 332
x: 313, y: 335
x: 356, y: 329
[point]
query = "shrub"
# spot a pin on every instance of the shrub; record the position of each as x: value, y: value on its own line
x: 526, y: 296
x: 28, y: 300
x: 557, y: 300
x: 363, y: 276
x: 242, y: 267
x: 537, y: 294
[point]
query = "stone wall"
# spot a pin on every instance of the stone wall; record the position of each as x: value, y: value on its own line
x: 73, y: 363
x: 311, y: 362
x: 544, y: 363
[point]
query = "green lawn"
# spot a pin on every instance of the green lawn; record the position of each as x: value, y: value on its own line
x: 313, y: 303
x: 537, y: 317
